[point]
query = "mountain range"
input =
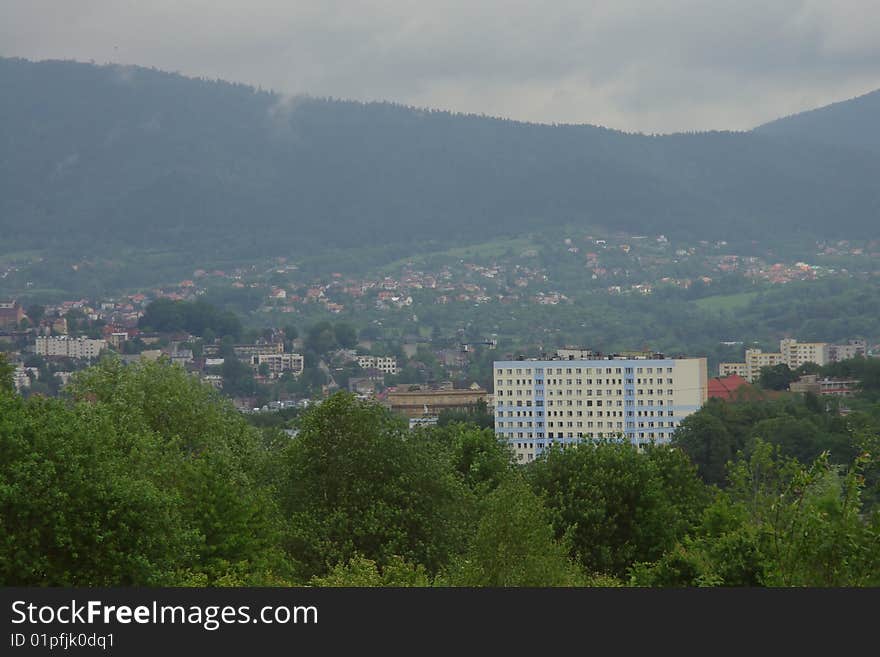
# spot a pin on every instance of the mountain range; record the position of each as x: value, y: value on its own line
x: 100, y: 157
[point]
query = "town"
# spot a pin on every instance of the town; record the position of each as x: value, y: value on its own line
x: 47, y: 345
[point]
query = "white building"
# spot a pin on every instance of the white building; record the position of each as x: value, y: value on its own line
x: 794, y: 354
x: 69, y: 347
x: 731, y: 369
x: 386, y: 364
x: 20, y: 378
x: 575, y: 353
x: 853, y: 349
x: 751, y: 369
x: 214, y: 379
x: 279, y: 363
x: 246, y: 351
x: 541, y: 403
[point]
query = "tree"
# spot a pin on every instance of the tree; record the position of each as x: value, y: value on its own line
x: 194, y: 317
x: 477, y: 455
x: 217, y: 463
x: 616, y: 503
x: 709, y: 445
x: 6, y: 375
x: 362, y: 572
x: 321, y: 338
x: 359, y: 483
x: 776, y: 377
x: 514, y: 544
x: 808, y: 519
x: 781, y: 523
x: 238, y: 378
x: 477, y: 414
x: 35, y: 312
x: 81, y: 503
x: 346, y: 335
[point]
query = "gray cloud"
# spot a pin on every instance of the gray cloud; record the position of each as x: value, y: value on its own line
x: 634, y: 65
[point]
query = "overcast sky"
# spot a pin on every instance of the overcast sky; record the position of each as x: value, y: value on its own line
x: 644, y: 66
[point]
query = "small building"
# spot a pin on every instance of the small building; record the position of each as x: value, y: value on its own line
x: 426, y: 421
x: 67, y: 347
x: 826, y: 386
x: 726, y: 387
x: 279, y: 363
x: 246, y: 351
x: 11, y: 314
x: 418, y: 401
x: 385, y: 364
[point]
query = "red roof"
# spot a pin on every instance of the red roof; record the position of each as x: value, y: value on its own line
x: 725, y: 387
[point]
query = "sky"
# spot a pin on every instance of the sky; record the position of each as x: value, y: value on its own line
x: 645, y: 66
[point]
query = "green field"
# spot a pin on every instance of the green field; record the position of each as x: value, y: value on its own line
x: 726, y: 302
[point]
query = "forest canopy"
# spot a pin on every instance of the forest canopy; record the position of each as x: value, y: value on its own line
x: 155, y: 480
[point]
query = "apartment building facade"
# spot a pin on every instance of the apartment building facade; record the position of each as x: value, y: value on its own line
x: 543, y: 403
x: 385, y: 364
x: 248, y: 351
x: 278, y: 364
x: 67, y: 347
x: 793, y: 354
x: 852, y: 349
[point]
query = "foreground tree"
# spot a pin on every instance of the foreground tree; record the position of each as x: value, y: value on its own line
x: 362, y: 572
x: 6, y: 373
x: 619, y: 505
x: 477, y: 456
x: 781, y: 523
x: 217, y: 463
x: 82, y: 504
x: 359, y: 483
x: 708, y: 443
x: 514, y: 544
x: 776, y: 377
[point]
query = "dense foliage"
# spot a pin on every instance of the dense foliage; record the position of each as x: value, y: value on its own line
x: 144, y: 476
x: 195, y: 317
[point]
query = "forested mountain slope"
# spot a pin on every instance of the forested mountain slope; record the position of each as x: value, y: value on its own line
x: 101, y: 156
x: 852, y: 123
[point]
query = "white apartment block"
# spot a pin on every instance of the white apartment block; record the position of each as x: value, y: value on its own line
x: 751, y: 369
x: 69, y: 347
x: 853, y: 349
x: 20, y: 378
x: 575, y: 353
x: 794, y: 354
x: 755, y: 360
x: 279, y: 363
x: 385, y: 364
x: 730, y: 369
x: 247, y: 351
x: 542, y: 403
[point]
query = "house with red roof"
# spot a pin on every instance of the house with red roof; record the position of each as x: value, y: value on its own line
x: 725, y: 387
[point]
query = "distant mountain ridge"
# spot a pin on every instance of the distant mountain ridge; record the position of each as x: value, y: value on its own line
x: 853, y: 123
x: 104, y: 156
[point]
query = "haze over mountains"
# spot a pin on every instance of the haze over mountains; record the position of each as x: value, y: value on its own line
x: 96, y: 157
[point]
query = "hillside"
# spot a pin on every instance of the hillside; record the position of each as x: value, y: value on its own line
x: 852, y: 123
x: 98, y: 157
